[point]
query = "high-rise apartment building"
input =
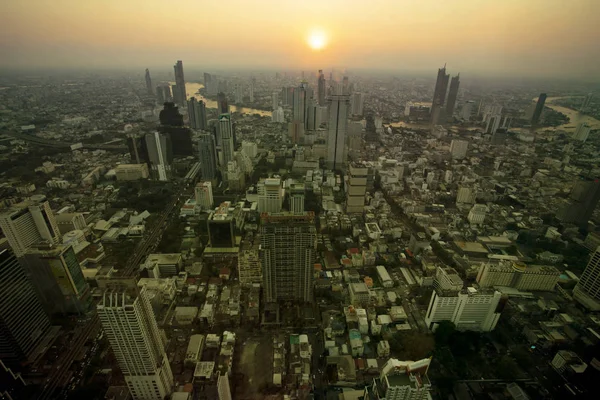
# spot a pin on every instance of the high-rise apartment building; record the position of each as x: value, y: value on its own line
x: 300, y: 103
x: 270, y: 195
x: 278, y: 115
x: 539, y: 107
x: 357, y: 102
x: 288, y: 248
x: 149, y: 83
x: 180, y: 95
x: 582, y: 201
x: 221, y: 232
x: 23, y: 322
x: 297, y: 197
x: 225, y: 131
x: 357, y: 187
x: 160, y: 154
x: 321, y: 88
x: 197, y: 114
x: 452, y: 95
x: 582, y: 132
x: 204, y: 195
x: 458, y: 149
x: 587, y: 290
x: 401, y: 380
x: 338, y: 127
x: 207, y: 153
x: 222, y: 103
x: 130, y: 326
x: 29, y: 222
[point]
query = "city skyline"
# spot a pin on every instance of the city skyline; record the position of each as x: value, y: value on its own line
x: 530, y: 39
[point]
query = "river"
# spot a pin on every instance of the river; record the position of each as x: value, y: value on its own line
x: 192, y: 91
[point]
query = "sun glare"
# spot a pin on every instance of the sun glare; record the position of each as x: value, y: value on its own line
x: 317, y: 40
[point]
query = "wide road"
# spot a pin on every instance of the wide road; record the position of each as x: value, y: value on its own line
x: 60, y: 371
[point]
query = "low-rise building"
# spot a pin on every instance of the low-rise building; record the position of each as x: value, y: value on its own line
x: 131, y: 172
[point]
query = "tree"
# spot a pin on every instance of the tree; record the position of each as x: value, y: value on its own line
x: 444, y: 333
x: 412, y: 345
x: 506, y: 368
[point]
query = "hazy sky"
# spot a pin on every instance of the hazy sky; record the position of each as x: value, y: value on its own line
x: 504, y: 37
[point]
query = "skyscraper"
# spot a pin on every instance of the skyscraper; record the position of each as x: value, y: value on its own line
x: 321, y: 90
x: 297, y: 191
x: 29, y: 222
x: 338, y: 126
x: 204, y: 195
x: 269, y: 195
x: 222, y: 103
x: 300, y: 103
x: 160, y: 155
x: 586, y: 102
x: 357, y: 102
x: 288, y: 247
x: 181, y: 94
x: 582, y: 202
x: 539, y: 107
x: 587, y: 290
x: 275, y: 100
x: 171, y: 123
x: 452, y: 95
x: 148, y: 82
x: 128, y: 320
x: 441, y: 85
x: 137, y: 149
x: 197, y: 114
x: 163, y: 93
x: 23, y: 323
x: 207, y: 152
x: 582, y: 132
x: 225, y: 131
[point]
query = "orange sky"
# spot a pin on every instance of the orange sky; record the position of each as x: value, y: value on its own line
x: 525, y: 37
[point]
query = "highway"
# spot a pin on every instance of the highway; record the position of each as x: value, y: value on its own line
x: 61, y: 370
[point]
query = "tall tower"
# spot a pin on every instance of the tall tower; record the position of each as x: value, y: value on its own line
x: 452, y: 95
x: 160, y: 154
x: 269, y: 196
x: 197, y: 114
x: 181, y: 94
x: 29, y: 222
x: 300, y: 103
x: 583, y: 199
x: 357, y: 103
x: 587, y: 290
x: 149, y: 83
x: 288, y: 247
x: 128, y: 320
x: 226, y: 133
x: 321, y: 90
x: 539, y: 107
x: 297, y: 198
x: 23, y: 323
x: 222, y: 103
x: 207, y: 152
x: 338, y: 126
x: 441, y: 85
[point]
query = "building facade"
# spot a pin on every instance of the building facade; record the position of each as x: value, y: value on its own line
x: 337, y: 129
x: 587, y: 290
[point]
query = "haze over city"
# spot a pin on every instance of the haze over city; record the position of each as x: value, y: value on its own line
x: 533, y: 38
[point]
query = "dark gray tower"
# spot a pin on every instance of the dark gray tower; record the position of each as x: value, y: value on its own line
x: 149, y: 82
x: 539, y: 107
x: 321, y: 88
x: 207, y: 153
x: 180, y: 95
x: 452, y: 95
x: 441, y: 85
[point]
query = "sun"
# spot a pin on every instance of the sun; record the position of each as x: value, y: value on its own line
x: 317, y: 40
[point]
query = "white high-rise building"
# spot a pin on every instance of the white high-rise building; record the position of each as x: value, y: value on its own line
x: 357, y: 103
x: 132, y: 331
x: 297, y: 198
x: 278, y: 115
x: 458, y: 149
x: 338, y: 127
x: 471, y: 309
x: 226, y: 134
x: 518, y: 275
x: 401, y: 380
x: 29, y: 222
x: 477, y: 214
x: 583, y: 132
x: 275, y: 100
x: 587, y: 290
x: 270, y: 195
x: 204, y: 195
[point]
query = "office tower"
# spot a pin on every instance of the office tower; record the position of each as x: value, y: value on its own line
x: 493, y: 123
x: 160, y: 154
x: 181, y: 94
x: 207, y: 153
x: 477, y: 214
x: 338, y: 126
x: 539, y: 107
x: 441, y: 86
x: 163, y: 93
x: 249, y: 265
x: 250, y: 148
x: 357, y: 103
x: 235, y: 176
x: 171, y: 123
x: 270, y: 195
x: 300, y: 103
x: 452, y: 95
x: 401, y: 380
x: 197, y: 114
x: 345, y: 85
x: 582, y: 132
x: 582, y: 202
x: 29, y: 222
x: 204, y: 195
x: 222, y: 103
x: 56, y: 274
x: 69, y: 221
x: 587, y: 290
x: 278, y: 116
x: 506, y: 121
x: 137, y: 148
x: 357, y: 187
x: 321, y: 90
x: 586, y: 102
x: 148, y: 83
x: 275, y: 100
x: 467, y: 110
x: 458, y: 149
x: 288, y: 247
x: 297, y: 197
x: 23, y: 323
x: 312, y: 115
x: 239, y: 94
x: 221, y: 224
x: 225, y: 131
x: 211, y: 84
x: 130, y: 326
